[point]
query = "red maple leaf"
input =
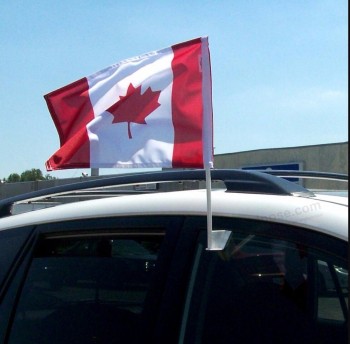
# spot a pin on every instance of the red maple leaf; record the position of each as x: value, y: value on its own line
x: 134, y: 106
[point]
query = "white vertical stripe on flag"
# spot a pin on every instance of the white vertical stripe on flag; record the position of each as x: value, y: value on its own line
x: 151, y: 143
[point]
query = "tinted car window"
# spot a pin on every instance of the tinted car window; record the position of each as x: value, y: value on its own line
x: 266, y: 289
x: 333, y: 280
x: 86, y: 289
x: 11, y: 242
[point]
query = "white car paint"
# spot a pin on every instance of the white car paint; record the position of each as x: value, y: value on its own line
x: 326, y: 214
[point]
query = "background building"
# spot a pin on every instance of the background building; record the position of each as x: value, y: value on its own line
x: 324, y: 158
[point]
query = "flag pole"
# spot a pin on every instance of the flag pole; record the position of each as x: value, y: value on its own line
x: 216, y: 240
x: 95, y: 172
x: 209, y: 209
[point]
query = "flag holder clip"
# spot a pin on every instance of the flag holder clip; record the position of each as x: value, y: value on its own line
x: 217, y: 239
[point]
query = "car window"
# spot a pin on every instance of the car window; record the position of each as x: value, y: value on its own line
x: 266, y: 289
x: 333, y: 280
x: 88, y: 288
x: 11, y: 242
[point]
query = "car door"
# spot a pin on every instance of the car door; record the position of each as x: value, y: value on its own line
x: 273, y: 283
x: 90, y: 281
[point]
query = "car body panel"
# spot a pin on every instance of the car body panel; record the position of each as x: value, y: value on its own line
x: 318, y: 213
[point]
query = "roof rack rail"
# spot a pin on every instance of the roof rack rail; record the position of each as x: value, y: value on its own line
x: 234, y: 179
x: 308, y: 175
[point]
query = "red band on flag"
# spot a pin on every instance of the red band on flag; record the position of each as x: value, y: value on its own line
x: 187, y: 105
x: 71, y: 111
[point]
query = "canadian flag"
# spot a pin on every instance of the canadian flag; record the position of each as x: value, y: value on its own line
x: 154, y: 110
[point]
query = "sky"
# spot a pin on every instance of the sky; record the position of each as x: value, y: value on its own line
x: 279, y: 68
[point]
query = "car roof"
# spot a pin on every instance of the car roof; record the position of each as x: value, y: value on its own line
x: 340, y: 197
x: 310, y: 212
x: 247, y: 194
